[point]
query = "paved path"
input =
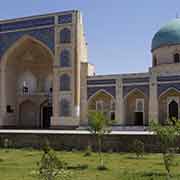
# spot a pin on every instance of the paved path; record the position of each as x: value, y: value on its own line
x: 18, y: 131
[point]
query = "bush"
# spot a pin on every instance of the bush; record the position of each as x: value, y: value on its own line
x: 50, y: 167
x: 138, y: 148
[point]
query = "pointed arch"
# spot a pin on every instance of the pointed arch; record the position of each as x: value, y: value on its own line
x: 133, y: 91
x: 103, y: 101
x: 136, y: 108
x: 168, y: 90
x: 18, y: 43
x: 100, y: 91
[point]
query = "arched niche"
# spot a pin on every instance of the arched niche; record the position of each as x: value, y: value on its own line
x: 136, y: 108
x: 104, y: 102
x: 27, y: 60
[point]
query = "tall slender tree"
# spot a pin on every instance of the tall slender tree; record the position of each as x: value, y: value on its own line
x: 98, y: 126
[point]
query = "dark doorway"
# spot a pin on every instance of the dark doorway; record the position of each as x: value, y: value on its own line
x: 47, y: 113
x: 173, y: 110
x: 138, y: 119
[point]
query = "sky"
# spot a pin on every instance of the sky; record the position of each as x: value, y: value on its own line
x: 118, y: 32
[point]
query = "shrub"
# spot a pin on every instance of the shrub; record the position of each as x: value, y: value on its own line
x: 138, y: 148
x: 50, y: 167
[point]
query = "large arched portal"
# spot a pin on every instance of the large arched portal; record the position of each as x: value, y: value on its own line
x: 26, y: 67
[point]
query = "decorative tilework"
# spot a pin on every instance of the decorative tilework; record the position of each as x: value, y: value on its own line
x: 143, y: 88
x: 46, y: 35
x: 164, y: 87
x: 26, y: 24
x: 101, y: 81
x: 136, y: 80
x: 168, y: 78
x: 93, y: 90
x: 67, y: 18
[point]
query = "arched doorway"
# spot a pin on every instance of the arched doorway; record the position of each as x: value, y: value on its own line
x: 45, y: 114
x: 173, y: 110
x: 28, y: 115
x: 168, y: 105
x: 27, y: 63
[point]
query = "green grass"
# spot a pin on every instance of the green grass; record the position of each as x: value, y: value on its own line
x: 21, y: 165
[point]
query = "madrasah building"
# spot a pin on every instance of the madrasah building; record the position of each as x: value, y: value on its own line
x: 47, y: 82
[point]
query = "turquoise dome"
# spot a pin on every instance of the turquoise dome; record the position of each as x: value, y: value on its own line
x: 167, y: 35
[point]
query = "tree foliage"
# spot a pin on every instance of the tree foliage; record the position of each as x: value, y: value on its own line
x: 98, y: 126
x: 167, y: 135
x: 50, y: 167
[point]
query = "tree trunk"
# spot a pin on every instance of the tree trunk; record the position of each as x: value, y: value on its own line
x: 100, y: 150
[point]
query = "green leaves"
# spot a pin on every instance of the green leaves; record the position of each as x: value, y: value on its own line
x: 98, y: 123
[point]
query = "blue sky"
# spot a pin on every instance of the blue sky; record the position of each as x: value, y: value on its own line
x: 118, y: 32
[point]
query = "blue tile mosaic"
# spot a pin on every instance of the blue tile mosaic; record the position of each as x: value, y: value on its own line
x: 143, y: 88
x: 45, y: 35
x: 109, y: 89
x: 136, y: 80
x: 164, y: 87
x: 101, y: 81
x: 27, y: 24
x: 67, y: 18
x: 168, y: 78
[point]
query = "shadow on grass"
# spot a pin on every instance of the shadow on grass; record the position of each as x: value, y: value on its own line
x: 78, y: 167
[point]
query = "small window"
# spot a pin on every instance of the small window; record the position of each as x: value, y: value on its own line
x: 65, y: 58
x: 99, y: 106
x: 139, y: 105
x: 65, y: 82
x: 65, y: 35
x: 176, y: 58
x: 65, y: 108
x: 154, y: 61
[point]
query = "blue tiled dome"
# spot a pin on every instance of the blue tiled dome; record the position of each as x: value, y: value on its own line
x: 167, y: 35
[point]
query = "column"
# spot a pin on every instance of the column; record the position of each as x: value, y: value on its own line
x: 153, y: 99
x: 119, y: 102
x: 55, y: 100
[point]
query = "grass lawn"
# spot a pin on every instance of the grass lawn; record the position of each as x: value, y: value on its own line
x: 21, y: 165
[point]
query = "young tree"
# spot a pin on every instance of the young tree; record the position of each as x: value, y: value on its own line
x: 98, y: 126
x: 167, y: 135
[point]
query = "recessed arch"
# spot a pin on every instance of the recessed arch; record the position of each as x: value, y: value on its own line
x: 168, y: 90
x: 65, y: 82
x: 65, y: 58
x: 27, y: 54
x: 103, y: 101
x: 18, y: 43
x: 133, y: 91
x: 133, y: 114
x: 100, y: 91
x: 169, y: 95
x: 65, y: 35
